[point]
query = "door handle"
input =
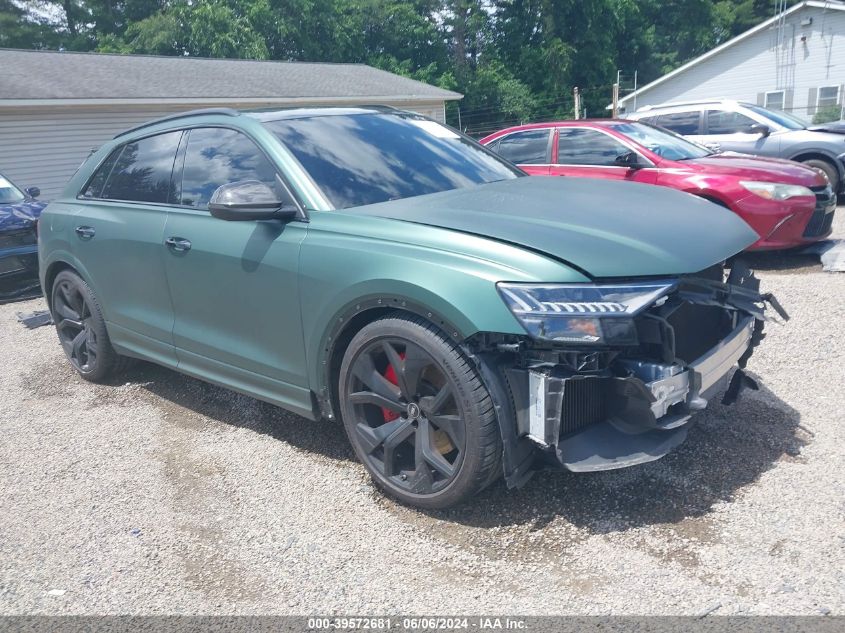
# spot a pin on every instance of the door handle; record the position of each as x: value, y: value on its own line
x: 178, y: 244
x: 85, y: 232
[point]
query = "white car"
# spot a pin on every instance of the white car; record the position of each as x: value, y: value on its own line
x: 738, y: 126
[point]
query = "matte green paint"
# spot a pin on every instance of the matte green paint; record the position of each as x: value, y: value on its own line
x: 251, y: 304
x: 346, y: 258
x: 605, y: 227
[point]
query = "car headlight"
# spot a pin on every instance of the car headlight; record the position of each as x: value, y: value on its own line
x: 591, y: 314
x: 776, y: 191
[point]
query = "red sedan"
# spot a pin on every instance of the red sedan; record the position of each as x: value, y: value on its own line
x: 786, y: 203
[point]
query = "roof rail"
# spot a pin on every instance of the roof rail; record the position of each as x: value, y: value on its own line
x: 180, y: 115
x: 672, y: 104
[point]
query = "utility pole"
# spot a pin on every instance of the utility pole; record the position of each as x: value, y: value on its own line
x: 635, y: 91
x: 615, y: 100
x: 577, y: 94
x: 459, y: 119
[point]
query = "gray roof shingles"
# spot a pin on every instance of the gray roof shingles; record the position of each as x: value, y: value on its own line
x: 65, y: 75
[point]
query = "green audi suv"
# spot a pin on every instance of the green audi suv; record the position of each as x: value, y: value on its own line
x: 463, y: 321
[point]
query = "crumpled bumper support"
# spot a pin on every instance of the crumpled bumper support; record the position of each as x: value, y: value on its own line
x: 644, y: 408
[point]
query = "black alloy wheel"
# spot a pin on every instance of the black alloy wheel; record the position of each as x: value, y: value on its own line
x: 73, y: 322
x: 82, y: 328
x: 417, y: 415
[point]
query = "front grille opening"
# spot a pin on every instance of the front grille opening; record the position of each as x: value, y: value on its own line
x: 20, y: 237
x: 698, y: 329
x: 819, y: 224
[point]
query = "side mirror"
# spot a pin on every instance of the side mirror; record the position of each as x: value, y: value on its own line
x: 249, y: 200
x: 32, y: 192
x: 759, y: 128
x: 631, y: 160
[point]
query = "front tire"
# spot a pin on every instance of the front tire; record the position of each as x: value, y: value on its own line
x: 82, y: 329
x: 417, y: 413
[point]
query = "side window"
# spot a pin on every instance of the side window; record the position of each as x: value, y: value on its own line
x: 143, y: 169
x: 526, y: 148
x: 649, y: 119
x: 721, y: 122
x: 95, y: 184
x: 217, y: 156
x: 680, y: 122
x: 579, y: 146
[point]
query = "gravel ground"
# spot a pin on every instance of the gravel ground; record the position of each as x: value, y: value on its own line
x: 161, y: 494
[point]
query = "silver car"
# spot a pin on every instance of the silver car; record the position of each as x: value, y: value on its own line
x: 738, y: 126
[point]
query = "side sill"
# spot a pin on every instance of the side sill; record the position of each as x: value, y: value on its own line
x: 294, y: 399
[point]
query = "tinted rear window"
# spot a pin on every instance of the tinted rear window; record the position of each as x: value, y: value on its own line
x: 680, y: 122
x: 139, y: 171
x: 364, y: 158
x: 98, y: 180
x: 525, y: 148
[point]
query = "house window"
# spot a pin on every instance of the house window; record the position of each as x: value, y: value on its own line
x: 774, y: 100
x: 828, y: 96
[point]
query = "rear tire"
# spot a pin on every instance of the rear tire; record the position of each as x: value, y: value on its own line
x: 827, y: 168
x: 418, y: 415
x: 82, y: 329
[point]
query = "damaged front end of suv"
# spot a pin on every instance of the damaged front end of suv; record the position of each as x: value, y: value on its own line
x: 612, y: 373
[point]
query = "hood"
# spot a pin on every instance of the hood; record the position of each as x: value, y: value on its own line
x: 604, y: 228
x: 20, y: 215
x: 837, y: 127
x: 758, y: 168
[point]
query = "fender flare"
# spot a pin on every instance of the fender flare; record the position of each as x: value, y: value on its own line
x: 822, y: 154
x: 348, y: 314
x: 64, y: 259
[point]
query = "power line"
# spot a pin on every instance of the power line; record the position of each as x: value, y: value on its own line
x: 542, y: 103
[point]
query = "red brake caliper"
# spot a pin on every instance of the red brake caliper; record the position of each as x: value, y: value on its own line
x: 390, y: 375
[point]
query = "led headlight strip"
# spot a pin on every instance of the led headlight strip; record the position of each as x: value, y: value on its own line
x: 592, y: 314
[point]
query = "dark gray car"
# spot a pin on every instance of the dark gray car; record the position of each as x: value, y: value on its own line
x: 751, y: 129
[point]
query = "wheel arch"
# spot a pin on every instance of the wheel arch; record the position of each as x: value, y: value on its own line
x: 56, y: 263
x: 350, y: 320
x: 518, y: 456
x: 800, y: 157
x: 52, y: 271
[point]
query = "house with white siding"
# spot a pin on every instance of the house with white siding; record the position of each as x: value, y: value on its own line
x: 794, y: 61
x: 55, y: 107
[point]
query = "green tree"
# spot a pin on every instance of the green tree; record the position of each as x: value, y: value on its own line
x: 514, y: 60
x: 20, y: 29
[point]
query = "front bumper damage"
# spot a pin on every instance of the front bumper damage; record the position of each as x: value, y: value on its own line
x: 591, y: 411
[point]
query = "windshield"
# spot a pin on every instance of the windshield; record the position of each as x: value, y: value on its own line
x: 662, y: 142
x: 781, y: 118
x: 9, y: 193
x: 368, y: 157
